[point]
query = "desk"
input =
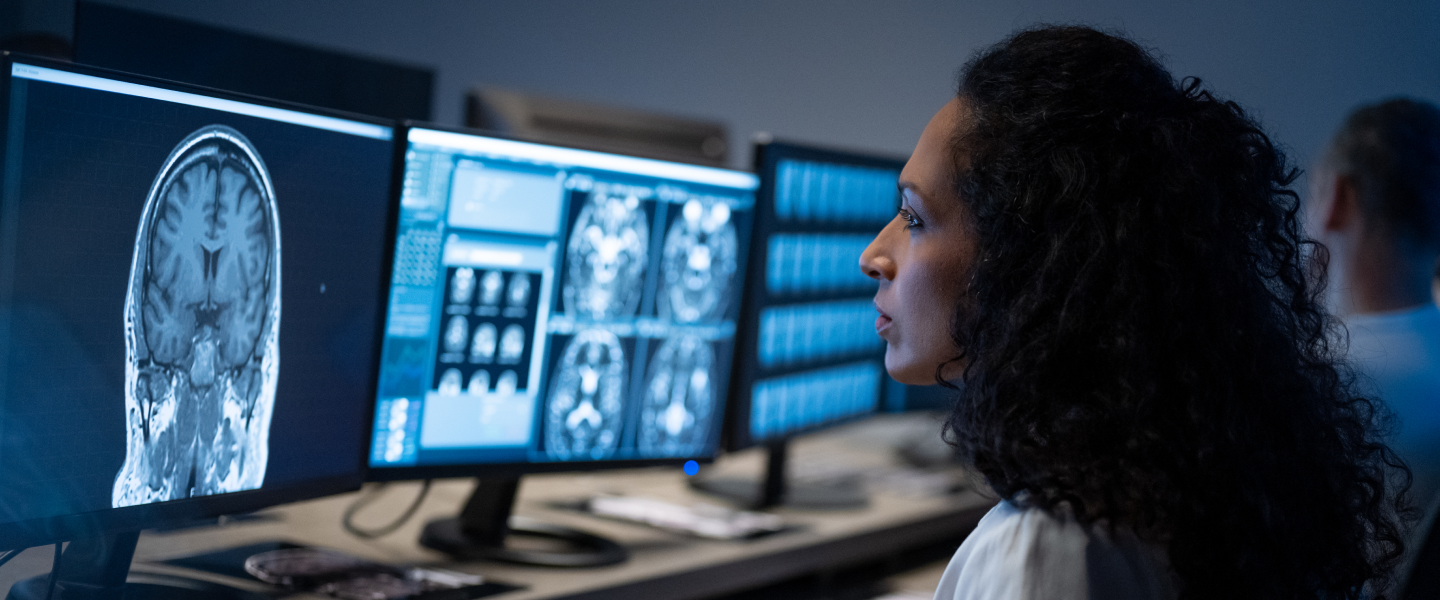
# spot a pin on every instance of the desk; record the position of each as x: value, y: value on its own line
x: 662, y: 565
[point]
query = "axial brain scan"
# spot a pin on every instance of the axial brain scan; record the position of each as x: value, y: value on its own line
x: 584, y: 412
x: 606, y: 255
x: 698, y: 262
x: 675, y: 417
x: 202, y: 321
x: 462, y: 286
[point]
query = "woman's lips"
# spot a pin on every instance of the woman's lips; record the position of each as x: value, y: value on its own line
x: 882, y: 323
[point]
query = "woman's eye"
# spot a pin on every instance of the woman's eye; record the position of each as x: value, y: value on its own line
x: 910, y: 220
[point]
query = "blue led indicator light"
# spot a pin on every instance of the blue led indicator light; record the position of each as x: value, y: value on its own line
x: 691, y: 467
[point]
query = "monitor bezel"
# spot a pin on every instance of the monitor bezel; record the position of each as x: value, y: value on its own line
x: 45, y: 530
x: 767, y: 155
x: 516, y: 469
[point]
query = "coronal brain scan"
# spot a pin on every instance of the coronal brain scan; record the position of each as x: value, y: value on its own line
x: 583, y: 416
x: 698, y: 263
x: 449, y: 383
x: 479, y: 383
x: 606, y: 256
x: 457, y: 332
x: 676, y: 414
x: 482, y: 349
x: 512, y: 344
x: 519, y: 294
x: 490, y: 287
x: 462, y: 287
x: 507, y: 383
x: 202, y: 321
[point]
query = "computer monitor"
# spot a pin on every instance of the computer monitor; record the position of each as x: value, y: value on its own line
x: 191, y: 286
x: 553, y: 309
x: 808, y: 354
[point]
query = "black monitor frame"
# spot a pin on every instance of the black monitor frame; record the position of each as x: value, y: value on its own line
x: 33, y: 532
x: 516, y: 469
x: 747, y: 369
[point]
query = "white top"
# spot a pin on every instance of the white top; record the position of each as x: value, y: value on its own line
x: 1398, y: 353
x: 1029, y: 554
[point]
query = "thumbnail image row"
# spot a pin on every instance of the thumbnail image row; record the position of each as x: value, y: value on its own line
x: 796, y: 402
x: 803, y: 333
x: 815, y: 192
x: 816, y: 263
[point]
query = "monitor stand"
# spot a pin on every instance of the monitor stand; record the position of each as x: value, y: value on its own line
x: 99, y: 569
x: 481, y: 530
x: 777, y: 490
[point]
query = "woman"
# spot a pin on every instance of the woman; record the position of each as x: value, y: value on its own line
x: 1111, y: 264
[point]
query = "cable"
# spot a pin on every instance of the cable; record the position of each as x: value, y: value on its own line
x: 54, y: 571
x: 369, y: 534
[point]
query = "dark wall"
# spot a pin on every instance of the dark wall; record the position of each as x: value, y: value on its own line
x: 848, y: 72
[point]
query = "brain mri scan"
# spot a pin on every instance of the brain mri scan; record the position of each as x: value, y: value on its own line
x: 482, y: 349
x: 583, y: 416
x: 202, y: 322
x: 462, y: 285
x: 519, y: 294
x: 457, y: 332
x: 490, y: 287
x: 676, y: 414
x: 606, y: 256
x: 698, y: 262
x: 479, y: 383
x: 512, y: 344
x: 507, y: 383
x: 449, y: 383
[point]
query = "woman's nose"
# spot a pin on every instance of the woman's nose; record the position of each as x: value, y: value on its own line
x: 877, y: 261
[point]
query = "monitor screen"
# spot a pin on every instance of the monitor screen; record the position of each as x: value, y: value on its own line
x: 552, y: 306
x: 809, y: 356
x: 190, y: 291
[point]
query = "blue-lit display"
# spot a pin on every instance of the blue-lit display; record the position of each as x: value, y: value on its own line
x: 816, y: 359
x: 551, y: 304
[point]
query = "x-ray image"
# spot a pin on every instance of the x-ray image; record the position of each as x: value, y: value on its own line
x: 584, y: 412
x: 462, y: 286
x: 482, y: 348
x: 479, y: 383
x: 675, y: 418
x: 457, y: 332
x: 449, y: 383
x: 606, y: 256
x: 491, y: 285
x: 512, y: 344
x: 202, y: 318
x: 698, y: 262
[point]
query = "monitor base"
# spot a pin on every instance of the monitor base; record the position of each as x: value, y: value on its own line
x: 775, y: 489
x: 481, y: 530
x: 446, y: 535
x: 138, y: 586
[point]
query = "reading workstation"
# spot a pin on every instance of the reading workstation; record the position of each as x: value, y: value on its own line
x: 257, y: 344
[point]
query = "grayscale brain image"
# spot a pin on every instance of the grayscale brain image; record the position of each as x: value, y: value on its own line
x: 698, y: 262
x: 678, y: 399
x: 607, y: 255
x: 202, y: 322
x: 585, y: 411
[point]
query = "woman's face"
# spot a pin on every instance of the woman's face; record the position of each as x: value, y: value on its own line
x: 920, y: 259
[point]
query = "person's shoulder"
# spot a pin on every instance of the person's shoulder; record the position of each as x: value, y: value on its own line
x: 1024, y: 552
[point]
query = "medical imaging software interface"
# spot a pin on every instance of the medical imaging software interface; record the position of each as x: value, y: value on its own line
x: 817, y: 357
x: 189, y: 288
x: 552, y: 304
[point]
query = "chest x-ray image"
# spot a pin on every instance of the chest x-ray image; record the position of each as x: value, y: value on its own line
x: 202, y: 322
x: 675, y: 417
x: 698, y: 263
x: 606, y: 256
x: 583, y: 417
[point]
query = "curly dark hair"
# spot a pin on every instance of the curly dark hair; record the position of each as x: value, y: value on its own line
x: 1142, y: 334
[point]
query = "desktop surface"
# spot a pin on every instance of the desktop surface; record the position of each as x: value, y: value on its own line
x: 556, y: 307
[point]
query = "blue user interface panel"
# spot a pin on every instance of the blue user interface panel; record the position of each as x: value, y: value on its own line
x: 553, y: 304
x: 816, y: 359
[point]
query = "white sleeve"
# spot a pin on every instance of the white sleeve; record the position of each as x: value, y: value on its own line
x: 1028, y: 554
